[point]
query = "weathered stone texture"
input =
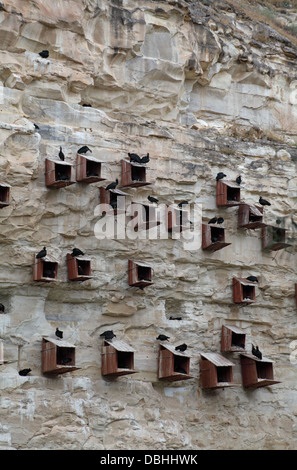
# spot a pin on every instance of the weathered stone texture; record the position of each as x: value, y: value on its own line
x: 202, y: 90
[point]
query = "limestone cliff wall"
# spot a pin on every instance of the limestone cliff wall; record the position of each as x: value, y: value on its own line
x: 203, y: 89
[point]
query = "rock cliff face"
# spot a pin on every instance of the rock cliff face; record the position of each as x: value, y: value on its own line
x: 203, y: 89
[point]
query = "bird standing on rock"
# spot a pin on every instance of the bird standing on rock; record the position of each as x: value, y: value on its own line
x: 263, y: 202
x: 44, y: 54
x: 153, y: 199
x: 163, y: 338
x: 238, y: 179
x: 24, y: 371
x: 61, y: 154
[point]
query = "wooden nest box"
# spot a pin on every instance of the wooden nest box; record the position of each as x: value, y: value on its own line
x: 114, y: 198
x: 117, y: 358
x: 232, y: 339
x: 88, y: 169
x: 45, y: 269
x: 256, y: 372
x: 228, y: 194
x: 216, y: 371
x: 250, y: 217
x: 133, y: 174
x: 139, y: 274
x: 213, y: 237
x: 173, y: 365
x: 274, y: 238
x: 58, y: 356
x: 58, y: 173
x: 147, y: 216
x: 177, y: 219
x: 4, y: 195
x: 79, y: 268
x: 244, y: 291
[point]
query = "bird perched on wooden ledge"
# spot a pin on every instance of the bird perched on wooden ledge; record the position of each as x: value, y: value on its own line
x: 42, y: 253
x: 77, y: 252
x: 112, y: 185
x: 108, y: 334
x: 256, y: 352
x: 59, y: 333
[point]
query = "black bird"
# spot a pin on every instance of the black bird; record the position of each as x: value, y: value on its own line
x: 153, y: 199
x: 113, y: 204
x: 61, y: 155
x: 59, y: 333
x: 238, y: 179
x: 134, y: 157
x: 256, y: 352
x: 42, y: 253
x: 44, y: 54
x: 163, y: 338
x: 62, y: 177
x: 145, y: 159
x: 263, y: 202
x: 84, y: 149
x: 66, y: 360
x: 112, y: 185
x: 49, y: 272
x: 181, y: 347
x: 220, y: 175
x: 36, y: 127
x: 213, y: 220
x: 24, y: 371
x: 2, y: 308
x: 108, y: 334
x: 182, y: 203
x: 252, y: 278
x: 220, y: 220
x: 76, y: 252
